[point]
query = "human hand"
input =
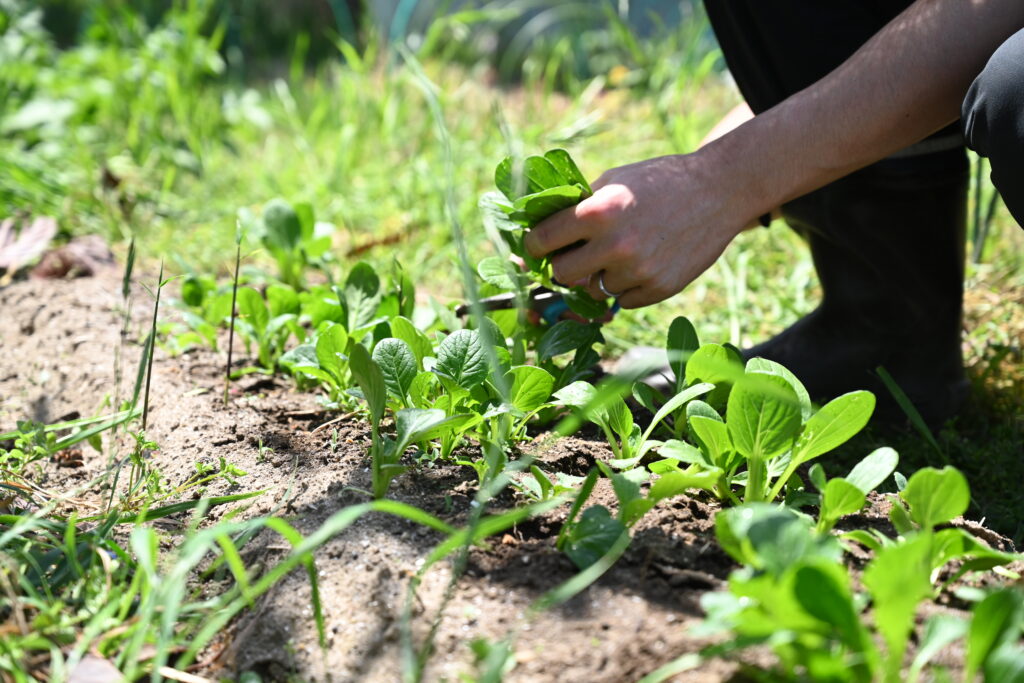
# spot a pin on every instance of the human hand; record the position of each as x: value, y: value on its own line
x: 648, y: 230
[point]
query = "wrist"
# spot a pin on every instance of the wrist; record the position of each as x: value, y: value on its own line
x: 766, y: 163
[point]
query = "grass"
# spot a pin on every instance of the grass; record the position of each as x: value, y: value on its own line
x: 144, y: 136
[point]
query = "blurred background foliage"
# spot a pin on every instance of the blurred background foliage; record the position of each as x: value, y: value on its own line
x: 261, y: 33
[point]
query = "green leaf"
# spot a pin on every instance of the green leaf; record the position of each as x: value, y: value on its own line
x: 940, y: 631
x: 618, y: 417
x: 582, y: 304
x: 936, y: 496
x: 817, y: 476
x: 565, y: 336
x: 674, y: 403
x: 303, y: 355
x: 252, y: 308
x: 193, y: 291
x: 627, y: 491
x: 398, y: 365
x: 307, y: 219
x: 677, y: 483
x: 415, y: 424
x: 541, y: 174
x: 647, y: 396
x: 592, y: 536
x: 534, y: 208
x: 422, y: 389
x: 499, y: 272
x: 840, y: 498
x: 322, y: 305
x: 958, y: 544
x: 578, y: 394
x: 898, y: 578
x: 282, y: 300
x: 218, y: 309
x: 717, y: 365
x: 770, y: 367
x: 823, y: 591
x: 404, y: 329
x: 713, y: 438
x: 504, y: 180
x: 368, y: 376
x: 461, y: 357
x: 530, y: 387
x: 567, y: 168
x: 771, y: 538
x: 535, y: 174
x: 490, y: 333
x: 495, y: 208
x: 681, y: 344
x: 331, y: 350
x: 875, y: 468
x: 899, y: 517
x: 683, y: 452
x: 834, y: 424
x: 406, y: 292
x: 1006, y: 663
x: 362, y: 295
x: 763, y: 416
x: 282, y: 230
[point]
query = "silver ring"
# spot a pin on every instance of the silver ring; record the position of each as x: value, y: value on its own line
x: 600, y: 285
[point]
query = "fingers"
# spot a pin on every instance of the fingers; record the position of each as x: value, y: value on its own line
x: 555, y: 233
x: 638, y: 297
x: 589, y: 221
x: 615, y: 285
x: 577, y: 264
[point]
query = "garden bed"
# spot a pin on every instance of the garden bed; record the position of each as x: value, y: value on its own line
x: 59, y: 342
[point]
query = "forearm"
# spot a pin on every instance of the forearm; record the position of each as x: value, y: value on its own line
x: 905, y: 83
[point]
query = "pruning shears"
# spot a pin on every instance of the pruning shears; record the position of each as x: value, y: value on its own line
x: 550, y: 305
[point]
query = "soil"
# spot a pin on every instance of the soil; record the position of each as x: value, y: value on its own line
x: 60, y: 341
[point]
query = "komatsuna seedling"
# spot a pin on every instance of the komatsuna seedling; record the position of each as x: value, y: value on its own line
x: 531, y: 190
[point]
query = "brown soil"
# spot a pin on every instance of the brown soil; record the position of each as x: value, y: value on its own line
x: 59, y: 340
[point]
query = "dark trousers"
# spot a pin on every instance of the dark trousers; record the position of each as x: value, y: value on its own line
x: 775, y: 48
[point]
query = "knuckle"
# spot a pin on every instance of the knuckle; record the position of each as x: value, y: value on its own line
x: 561, y: 267
x: 624, y: 248
x: 534, y: 242
x: 592, y: 211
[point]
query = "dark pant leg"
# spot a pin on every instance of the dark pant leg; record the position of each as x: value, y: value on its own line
x: 993, y: 119
x: 775, y: 48
x: 887, y: 241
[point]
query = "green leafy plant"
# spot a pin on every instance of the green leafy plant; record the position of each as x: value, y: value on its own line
x: 32, y: 441
x: 411, y: 424
x: 294, y: 238
x: 204, y: 307
x: 607, y: 409
x: 847, y: 495
x: 794, y: 596
x: 769, y: 427
x: 268, y: 324
x: 531, y: 190
x: 591, y: 537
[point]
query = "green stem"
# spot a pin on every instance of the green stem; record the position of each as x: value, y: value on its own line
x: 724, y: 491
x: 756, y: 473
x: 781, y: 481
x: 612, y: 441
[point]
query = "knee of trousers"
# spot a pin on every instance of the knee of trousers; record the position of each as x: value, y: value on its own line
x: 993, y: 120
